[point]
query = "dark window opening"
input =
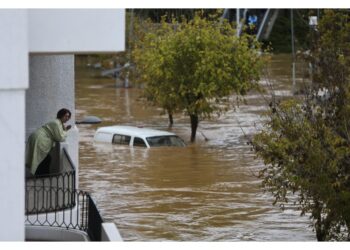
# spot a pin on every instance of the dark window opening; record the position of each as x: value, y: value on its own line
x: 121, y: 139
x: 138, y: 142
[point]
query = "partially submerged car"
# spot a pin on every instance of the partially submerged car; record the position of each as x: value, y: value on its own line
x: 137, y: 137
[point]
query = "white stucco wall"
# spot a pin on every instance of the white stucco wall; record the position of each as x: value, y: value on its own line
x: 13, y: 49
x: 76, y: 30
x: 13, y: 82
x: 11, y: 167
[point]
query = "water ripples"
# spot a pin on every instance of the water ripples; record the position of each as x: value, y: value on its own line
x: 206, y: 191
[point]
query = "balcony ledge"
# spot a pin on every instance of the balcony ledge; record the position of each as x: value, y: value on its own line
x: 47, y: 233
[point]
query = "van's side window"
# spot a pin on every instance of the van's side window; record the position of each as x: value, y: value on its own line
x: 138, y: 142
x: 121, y: 139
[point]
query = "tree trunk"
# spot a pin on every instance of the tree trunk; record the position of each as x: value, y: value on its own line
x: 194, y: 125
x: 171, y: 120
x: 320, y: 233
x: 321, y: 226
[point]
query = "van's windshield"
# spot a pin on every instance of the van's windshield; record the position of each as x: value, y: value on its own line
x: 160, y: 141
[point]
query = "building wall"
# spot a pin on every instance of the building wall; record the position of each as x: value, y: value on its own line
x: 76, y: 30
x: 13, y: 82
x: 13, y: 49
x: 51, y: 87
x: 12, y: 162
x: 53, y: 32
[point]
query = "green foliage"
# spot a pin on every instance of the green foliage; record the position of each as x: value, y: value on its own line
x: 192, y: 65
x: 305, y: 143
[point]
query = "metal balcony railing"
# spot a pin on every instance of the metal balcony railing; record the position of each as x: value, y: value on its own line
x: 52, y: 200
x: 52, y: 192
x: 82, y: 216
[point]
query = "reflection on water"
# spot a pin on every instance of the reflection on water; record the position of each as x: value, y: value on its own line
x: 204, y: 192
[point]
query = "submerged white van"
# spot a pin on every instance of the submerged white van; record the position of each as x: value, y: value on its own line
x: 137, y: 137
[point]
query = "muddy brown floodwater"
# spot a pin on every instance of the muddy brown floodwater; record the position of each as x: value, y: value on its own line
x: 203, y: 192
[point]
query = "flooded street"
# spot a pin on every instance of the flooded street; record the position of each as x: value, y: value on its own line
x: 206, y: 191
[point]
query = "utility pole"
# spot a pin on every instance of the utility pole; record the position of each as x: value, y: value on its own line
x: 293, y: 50
x: 238, y: 21
x: 131, y: 30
